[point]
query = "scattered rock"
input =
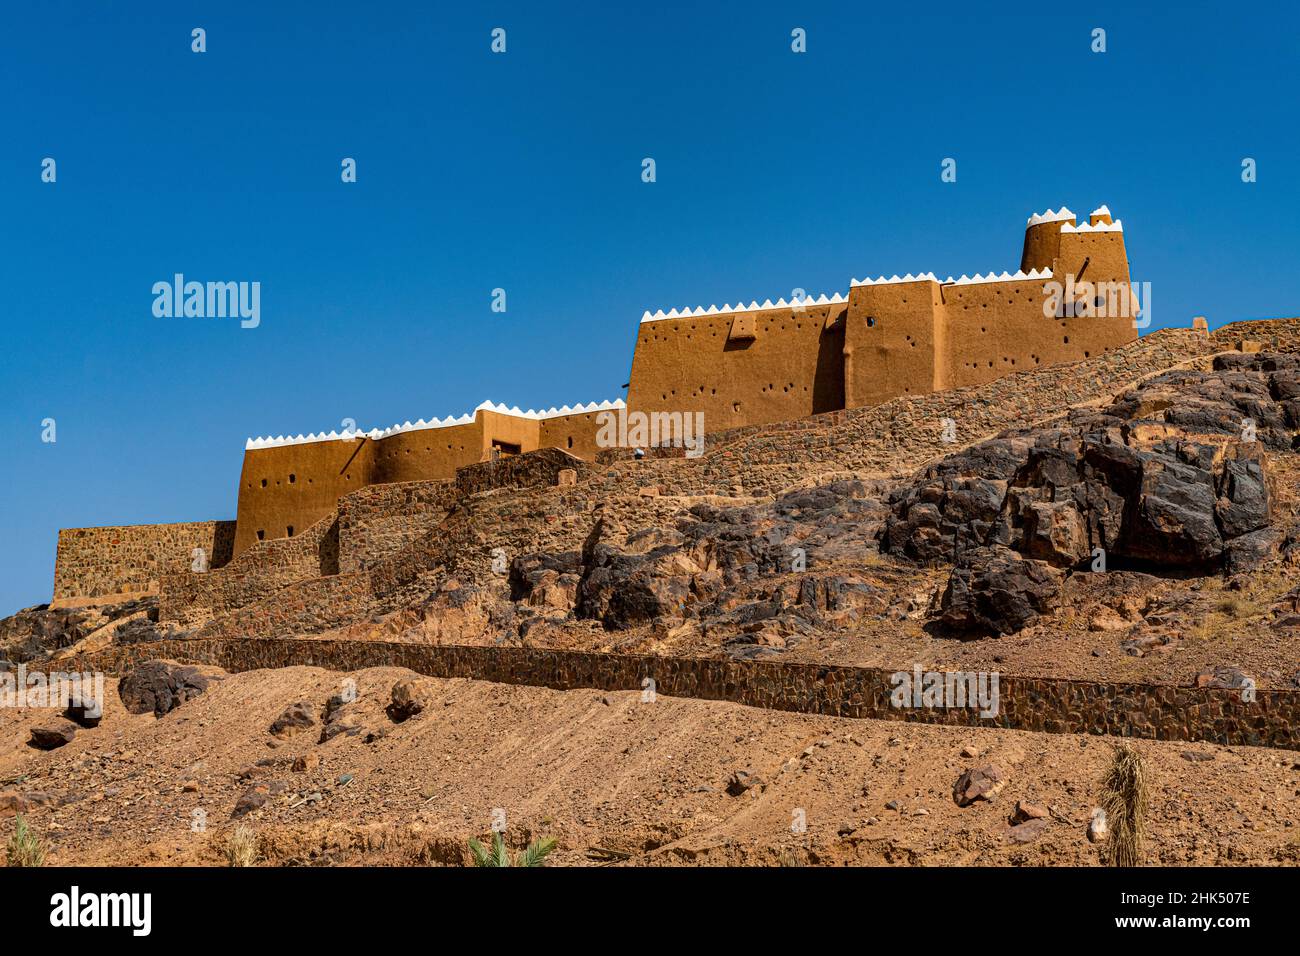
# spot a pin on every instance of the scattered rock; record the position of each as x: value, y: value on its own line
x: 409, y: 697
x: 742, y: 781
x: 54, y: 735
x: 1107, y: 619
x: 980, y: 783
x: 162, y: 686
x: 995, y: 590
x: 256, y: 797
x: 296, y: 718
x: 84, y: 715
x: 1029, y: 811
x: 1225, y: 677
x: 13, y: 803
x: 1028, y: 831
x: 306, y: 762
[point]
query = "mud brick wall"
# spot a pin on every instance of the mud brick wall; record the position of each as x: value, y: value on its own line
x: 900, y: 435
x: 380, y: 520
x: 91, y: 562
x: 187, y: 597
x: 1156, y: 712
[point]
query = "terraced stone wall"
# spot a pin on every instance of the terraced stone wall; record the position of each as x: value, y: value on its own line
x: 1156, y: 712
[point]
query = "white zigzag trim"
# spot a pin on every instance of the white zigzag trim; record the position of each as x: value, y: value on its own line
x: 728, y: 309
x: 377, y: 433
x: 1018, y: 276
x: 1052, y: 215
x: 1116, y: 226
x: 895, y: 279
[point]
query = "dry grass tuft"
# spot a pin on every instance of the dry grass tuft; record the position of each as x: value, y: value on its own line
x: 25, y: 847
x: 1125, y: 798
x: 241, y: 847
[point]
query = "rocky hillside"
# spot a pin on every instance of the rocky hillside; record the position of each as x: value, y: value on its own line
x: 1150, y: 536
x: 1124, y: 513
x: 1145, y: 531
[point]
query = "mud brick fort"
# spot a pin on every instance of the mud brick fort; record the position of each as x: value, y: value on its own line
x: 740, y: 365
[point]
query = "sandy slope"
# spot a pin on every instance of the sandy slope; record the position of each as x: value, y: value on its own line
x: 607, y: 770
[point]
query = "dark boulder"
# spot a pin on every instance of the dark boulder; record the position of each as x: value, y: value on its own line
x: 295, y: 718
x: 162, y: 686
x: 997, y: 591
x: 53, y: 735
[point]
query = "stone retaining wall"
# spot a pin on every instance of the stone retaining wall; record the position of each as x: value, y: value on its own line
x: 1049, y: 705
x: 536, y: 469
x: 187, y: 597
x: 380, y: 520
x: 1273, y: 335
x: 90, y: 562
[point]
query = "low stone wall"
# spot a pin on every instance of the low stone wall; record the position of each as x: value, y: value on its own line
x: 307, y: 606
x: 90, y: 562
x: 536, y: 469
x: 1274, y: 335
x: 380, y: 520
x: 188, y: 597
x: 1049, y: 705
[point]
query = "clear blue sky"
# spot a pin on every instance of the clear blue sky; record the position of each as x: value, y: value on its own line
x: 522, y: 171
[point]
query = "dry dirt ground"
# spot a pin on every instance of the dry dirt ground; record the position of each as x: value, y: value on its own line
x: 603, y: 772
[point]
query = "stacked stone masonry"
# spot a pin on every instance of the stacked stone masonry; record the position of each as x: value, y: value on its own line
x: 1156, y: 712
x: 94, y: 562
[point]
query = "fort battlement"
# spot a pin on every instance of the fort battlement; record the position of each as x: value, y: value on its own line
x: 892, y: 336
x: 377, y: 434
x: 734, y: 367
x: 289, y: 483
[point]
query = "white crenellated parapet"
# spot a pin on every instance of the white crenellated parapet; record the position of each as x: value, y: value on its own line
x: 375, y: 434
x: 1116, y: 226
x: 1052, y: 215
x: 895, y: 279
x: 1102, y: 210
x: 579, y: 409
x: 767, y: 305
x: 1018, y: 276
